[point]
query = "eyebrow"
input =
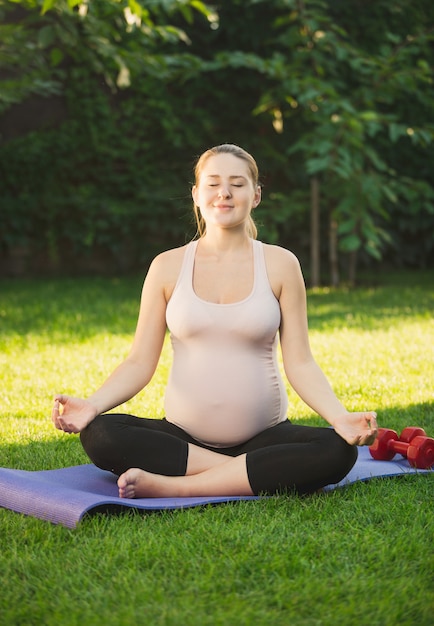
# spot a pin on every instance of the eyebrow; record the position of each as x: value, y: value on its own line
x: 230, y: 177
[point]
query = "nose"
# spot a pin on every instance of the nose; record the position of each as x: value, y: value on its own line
x: 224, y: 192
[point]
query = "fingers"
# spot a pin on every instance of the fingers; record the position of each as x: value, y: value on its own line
x: 371, y: 419
x: 57, y: 416
x: 55, y: 413
x: 372, y: 430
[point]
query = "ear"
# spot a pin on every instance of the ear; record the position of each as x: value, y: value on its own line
x: 194, y: 194
x: 257, y: 198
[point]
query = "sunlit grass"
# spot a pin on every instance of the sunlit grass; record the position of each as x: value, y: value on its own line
x: 362, y: 555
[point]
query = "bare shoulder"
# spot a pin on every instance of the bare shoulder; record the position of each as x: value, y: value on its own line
x: 283, y: 269
x: 165, y: 269
x: 276, y: 255
x: 169, y: 260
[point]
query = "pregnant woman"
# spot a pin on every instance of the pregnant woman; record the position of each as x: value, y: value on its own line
x: 227, y: 300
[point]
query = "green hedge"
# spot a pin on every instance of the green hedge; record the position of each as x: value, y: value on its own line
x: 100, y: 181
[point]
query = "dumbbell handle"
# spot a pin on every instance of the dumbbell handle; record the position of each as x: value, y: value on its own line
x: 398, y: 446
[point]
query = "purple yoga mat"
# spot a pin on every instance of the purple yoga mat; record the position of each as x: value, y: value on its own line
x: 64, y: 496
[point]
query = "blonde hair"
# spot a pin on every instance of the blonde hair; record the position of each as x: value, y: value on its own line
x: 226, y: 148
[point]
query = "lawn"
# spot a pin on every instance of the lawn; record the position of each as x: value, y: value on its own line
x: 358, y: 556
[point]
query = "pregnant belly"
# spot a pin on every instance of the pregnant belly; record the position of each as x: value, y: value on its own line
x: 225, y: 408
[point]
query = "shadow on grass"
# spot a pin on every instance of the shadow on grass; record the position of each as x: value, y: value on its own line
x: 84, y: 307
x: 61, y: 451
x: 71, y: 308
x: 369, y: 308
x: 399, y: 417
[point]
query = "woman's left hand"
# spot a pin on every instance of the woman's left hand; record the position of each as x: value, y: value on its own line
x: 358, y: 429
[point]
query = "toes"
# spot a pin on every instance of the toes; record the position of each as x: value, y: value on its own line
x: 125, y: 488
x: 128, y: 483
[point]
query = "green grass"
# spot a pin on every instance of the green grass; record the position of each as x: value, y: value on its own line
x: 358, y: 556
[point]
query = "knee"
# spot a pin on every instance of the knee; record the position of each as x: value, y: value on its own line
x: 93, y: 432
x: 344, y: 456
x: 97, y: 440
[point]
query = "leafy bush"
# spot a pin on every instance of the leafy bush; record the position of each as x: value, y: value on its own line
x: 105, y: 105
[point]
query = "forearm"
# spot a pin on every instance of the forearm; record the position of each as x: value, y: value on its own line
x: 310, y: 383
x: 124, y: 383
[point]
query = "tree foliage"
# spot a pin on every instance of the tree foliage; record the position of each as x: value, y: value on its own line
x: 115, y: 39
x: 104, y: 105
x: 348, y: 95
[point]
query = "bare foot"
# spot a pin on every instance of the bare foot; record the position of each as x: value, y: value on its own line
x: 223, y: 479
x: 137, y: 483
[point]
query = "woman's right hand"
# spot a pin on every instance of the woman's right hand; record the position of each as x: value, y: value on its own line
x: 72, y: 415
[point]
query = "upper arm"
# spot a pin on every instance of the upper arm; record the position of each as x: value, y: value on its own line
x: 151, y: 324
x: 288, y: 285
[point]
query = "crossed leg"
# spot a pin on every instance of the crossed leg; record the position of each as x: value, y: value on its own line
x: 208, y: 474
x: 155, y: 458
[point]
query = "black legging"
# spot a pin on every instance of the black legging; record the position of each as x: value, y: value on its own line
x: 282, y: 458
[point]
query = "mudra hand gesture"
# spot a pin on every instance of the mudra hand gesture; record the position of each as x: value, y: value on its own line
x: 358, y: 429
x: 72, y: 415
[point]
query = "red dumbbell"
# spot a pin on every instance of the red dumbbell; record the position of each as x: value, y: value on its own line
x: 413, y: 444
x: 382, y: 450
x: 410, y: 433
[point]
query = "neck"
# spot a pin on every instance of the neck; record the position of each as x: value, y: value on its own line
x: 225, y: 240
